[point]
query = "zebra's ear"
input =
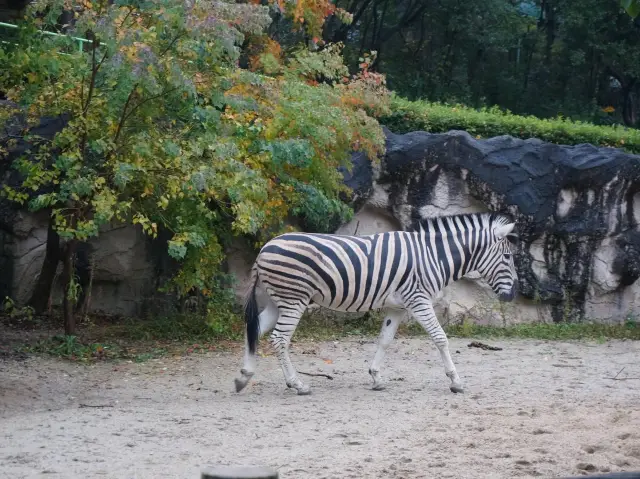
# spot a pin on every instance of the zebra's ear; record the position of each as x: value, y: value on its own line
x: 503, y: 231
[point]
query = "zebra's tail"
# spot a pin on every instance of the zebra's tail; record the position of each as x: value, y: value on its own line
x: 252, y: 315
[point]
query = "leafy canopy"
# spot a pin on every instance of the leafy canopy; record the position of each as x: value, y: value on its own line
x: 165, y: 130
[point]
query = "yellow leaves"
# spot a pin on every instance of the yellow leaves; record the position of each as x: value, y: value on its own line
x: 147, y: 226
x: 14, y: 195
x: 227, y: 115
x: 242, y: 90
x: 608, y: 109
x: 298, y: 13
x: 163, y: 202
x: 203, y: 83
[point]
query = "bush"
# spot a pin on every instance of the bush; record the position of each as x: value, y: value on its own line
x: 487, y: 122
x: 166, y: 131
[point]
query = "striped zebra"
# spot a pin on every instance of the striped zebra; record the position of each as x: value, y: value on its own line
x: 399, y: 272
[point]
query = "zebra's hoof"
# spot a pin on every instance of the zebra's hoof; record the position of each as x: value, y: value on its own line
x: 240, y: 384
x: 456, y: 389
x: 378, y: 387
x: 303, y: 390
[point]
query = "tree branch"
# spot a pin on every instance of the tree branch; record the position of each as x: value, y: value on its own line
x: 124, y: 116
x: 154, y: 97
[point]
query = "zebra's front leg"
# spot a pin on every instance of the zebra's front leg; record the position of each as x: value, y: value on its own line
x: 387, y: 333
x: 281, y: 338
x: 423, y: 312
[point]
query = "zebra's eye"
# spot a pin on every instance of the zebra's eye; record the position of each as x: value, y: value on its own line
x: 507, y: 255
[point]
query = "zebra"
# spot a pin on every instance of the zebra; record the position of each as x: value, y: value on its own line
x: 398, y: 272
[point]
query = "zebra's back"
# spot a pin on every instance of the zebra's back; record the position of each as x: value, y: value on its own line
x: 340, y: 272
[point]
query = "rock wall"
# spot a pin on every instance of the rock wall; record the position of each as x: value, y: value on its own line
x: 122, y: 267
x: 577, y: 211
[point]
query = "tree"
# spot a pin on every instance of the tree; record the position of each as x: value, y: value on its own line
x: 166, y: 132
x: 540, y: 57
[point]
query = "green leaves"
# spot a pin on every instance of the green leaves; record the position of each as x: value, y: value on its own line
x: 167, y: 132
x: 319, y: 213
x: 42, y: 201
x: 291, y: 152
x: 632, y: 7
x: 488, y: 122
x: 177, y: 249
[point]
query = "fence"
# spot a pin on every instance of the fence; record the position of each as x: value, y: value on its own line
x: 80, y: 41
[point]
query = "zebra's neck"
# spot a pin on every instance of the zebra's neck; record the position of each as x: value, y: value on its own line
x: 451, y: 248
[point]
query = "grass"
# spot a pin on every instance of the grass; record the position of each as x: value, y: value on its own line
x: 70, y: 347
x: 144, y: 339
x: 184, y: 327
x: 125, y: 339
x: 326, y: 329
x: 551, y: 331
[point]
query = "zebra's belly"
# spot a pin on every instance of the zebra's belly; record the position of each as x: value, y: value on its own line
x: 390, y: 300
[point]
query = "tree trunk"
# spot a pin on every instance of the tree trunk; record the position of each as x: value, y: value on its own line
x: 42, y: 291
x: 548, y: 22
x: 68, y: 301
x: 629, y: 115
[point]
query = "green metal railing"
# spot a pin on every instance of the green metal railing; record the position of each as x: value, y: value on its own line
x: 81, y: 41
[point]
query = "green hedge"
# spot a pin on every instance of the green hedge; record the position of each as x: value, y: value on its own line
x: 487, y: 122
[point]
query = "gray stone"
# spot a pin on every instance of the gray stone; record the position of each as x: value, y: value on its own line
x: 576, y: 209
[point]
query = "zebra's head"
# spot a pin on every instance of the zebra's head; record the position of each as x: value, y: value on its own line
x: 496, y: 263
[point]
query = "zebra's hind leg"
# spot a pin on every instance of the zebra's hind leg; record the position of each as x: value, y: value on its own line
x: 387, y: 333
x: 281, y: 338
x: 423, y: 312
x: 267, y: 318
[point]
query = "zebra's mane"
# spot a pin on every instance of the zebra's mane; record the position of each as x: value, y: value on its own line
x: 489, y: 219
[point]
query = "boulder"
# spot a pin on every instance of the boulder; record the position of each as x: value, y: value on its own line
x: 577, y: 210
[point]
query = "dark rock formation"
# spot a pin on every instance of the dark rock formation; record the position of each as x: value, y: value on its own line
x: 359, y: 180
x: 577, y: 209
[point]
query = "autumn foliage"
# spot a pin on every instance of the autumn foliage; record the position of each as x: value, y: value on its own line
x: 166, y: 131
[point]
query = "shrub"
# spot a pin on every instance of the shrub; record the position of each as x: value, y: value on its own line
x: 166, y: 131
x: 487, y: 122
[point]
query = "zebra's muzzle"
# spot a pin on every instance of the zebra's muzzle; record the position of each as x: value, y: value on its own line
x: 510, y: 296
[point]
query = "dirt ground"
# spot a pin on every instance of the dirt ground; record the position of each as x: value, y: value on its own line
x: 535, y: 408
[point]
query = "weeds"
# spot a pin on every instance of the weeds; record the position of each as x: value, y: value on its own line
x: 141, y: 340
x: 551, y: 331
x: 328, y: 330
x: 183, y: 327
x: 69, y: 347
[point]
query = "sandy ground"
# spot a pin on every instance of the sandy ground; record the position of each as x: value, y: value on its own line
x: 533, y: 409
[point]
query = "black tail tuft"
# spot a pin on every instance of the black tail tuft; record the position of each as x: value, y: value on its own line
x: 252, y: 320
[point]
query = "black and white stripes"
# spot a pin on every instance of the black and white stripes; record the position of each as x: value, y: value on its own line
x: 397, y: 271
